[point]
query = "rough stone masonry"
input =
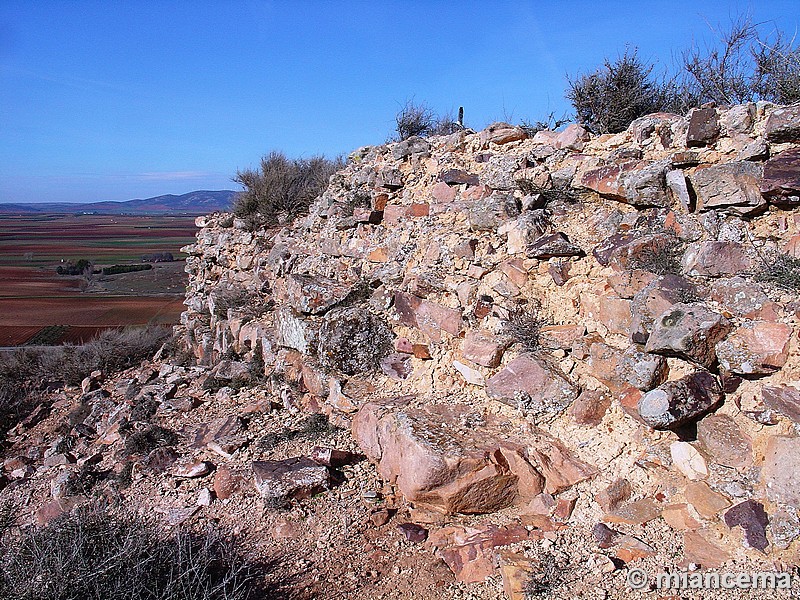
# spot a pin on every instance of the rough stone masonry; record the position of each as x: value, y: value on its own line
x: 653, y: 373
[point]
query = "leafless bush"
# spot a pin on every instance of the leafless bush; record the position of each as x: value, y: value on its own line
x: 414, y: 120
x: 117, y: 555
x: 9, y: 517
x: 742, y: 64
x: 554, y: 577
x: 234, y: 297
x: 282, y: 188
x: 313, y: 427
x: 661, y: 257
x: 418, y: 119
x: 549, y: 123
x: 777, y: 75
x: 721, y: 72
x: 149, y: 438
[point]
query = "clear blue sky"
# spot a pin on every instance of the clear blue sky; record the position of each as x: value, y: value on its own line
x: 118, y: 100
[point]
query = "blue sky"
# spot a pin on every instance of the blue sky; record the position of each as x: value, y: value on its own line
x: 120, y: 100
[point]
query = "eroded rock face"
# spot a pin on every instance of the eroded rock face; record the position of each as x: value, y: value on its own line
x: 489, y: 213
x: 429, y: 317
x: 449, y: 245
x: 483, y: 348
x: 549, y: 246
x: 632, y: 367
x: 453, y: 459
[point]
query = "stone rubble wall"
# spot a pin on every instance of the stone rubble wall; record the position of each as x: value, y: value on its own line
x: 386, y: 307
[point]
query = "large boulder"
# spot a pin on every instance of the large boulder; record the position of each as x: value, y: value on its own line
x: 755, y: 348
x: 781, y: 182
x: 716, y: 259
x: 688, y: 331
x: 427, y: 316
x: 455, y: 459
x: 783, y: 124
x: 618, y: 369
x: 639, y: 184
x: 656, y: 297
x: 703, y: 127
x: 732, y: 187
x: 501, y: 133
x: 676, y: 403
x: 781, y: 470
x: 314, y: 294
x: 279, y: 480
x: 489, y: 213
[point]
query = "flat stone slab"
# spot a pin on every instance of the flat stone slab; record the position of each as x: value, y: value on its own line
x: 298, y: 477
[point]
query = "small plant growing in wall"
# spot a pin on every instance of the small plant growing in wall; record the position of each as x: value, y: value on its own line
x: 524, y: 327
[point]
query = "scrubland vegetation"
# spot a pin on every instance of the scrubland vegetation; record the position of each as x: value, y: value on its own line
x: 115, y: 554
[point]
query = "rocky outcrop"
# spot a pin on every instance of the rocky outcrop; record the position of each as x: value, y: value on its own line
x: 634, y: 261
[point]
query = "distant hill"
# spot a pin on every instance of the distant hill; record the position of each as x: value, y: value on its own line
x: 192, y: 203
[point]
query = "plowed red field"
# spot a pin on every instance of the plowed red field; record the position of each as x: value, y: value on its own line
x: 16, y: 335
x: 33, y: 295
x: 106, y: 311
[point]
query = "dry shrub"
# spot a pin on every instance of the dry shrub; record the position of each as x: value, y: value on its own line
x: 548, y: 195
x: 24, y: 372
x: 780, y: 270
x: 612, y: 97
x: 661, y: 257
x: 418, y: 119
x: 524, y: 327
x: 282, y: 188
x: 149, y: 438
x: 118, y: 555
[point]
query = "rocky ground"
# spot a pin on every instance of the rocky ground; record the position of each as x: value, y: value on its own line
x: 484, y: 364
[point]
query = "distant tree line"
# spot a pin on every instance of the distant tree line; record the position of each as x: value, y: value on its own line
x: 80, y: 267
x: 158, y: 257
x: 117, y: 269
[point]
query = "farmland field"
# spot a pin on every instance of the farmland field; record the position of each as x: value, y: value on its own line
x: 36, y: 303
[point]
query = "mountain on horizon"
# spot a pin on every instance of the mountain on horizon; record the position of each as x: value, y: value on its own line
x: 192, y: 203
